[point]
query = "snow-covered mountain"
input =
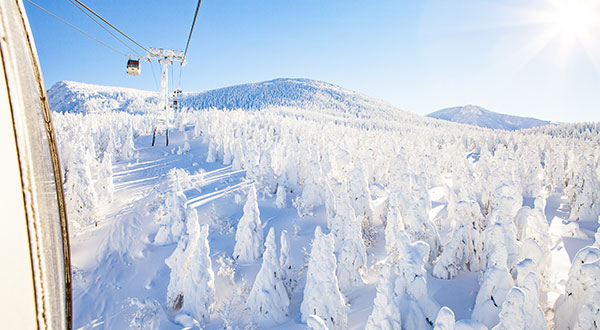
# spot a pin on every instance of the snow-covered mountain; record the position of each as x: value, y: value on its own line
x: 478, y: 116
x: 68, y: 96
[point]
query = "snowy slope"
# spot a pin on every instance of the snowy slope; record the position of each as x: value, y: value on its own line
x: 68, y: 96
x: 414, y: 214
x: 478, y: 116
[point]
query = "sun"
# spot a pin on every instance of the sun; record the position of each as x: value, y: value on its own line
x: 574, y: 19
x: 572, y: 23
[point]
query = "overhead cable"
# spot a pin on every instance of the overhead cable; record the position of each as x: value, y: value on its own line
x: 112, y: 26
x: 191, y: 30
x: 104, y: 27
x: 78, y: 29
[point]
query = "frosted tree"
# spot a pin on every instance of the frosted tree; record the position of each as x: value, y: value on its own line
x: 533, y: 233
x: 402, y: 297
x: 386, y: 313
x: 465, y: 247
x: 579, y: 306
x: 339, y: 209
x: 322, y: 296
x: 268, y: 299
x: 415, y: 213
x: 358, y: 191
x: 394, y: 225
x: 500, y: 233
x: 280, y: 196
x: 496, y: 281
x: 191, y: 286
x: 506, y: 199
x: 212, y: 153
x: 352, y: 255
x: 584, y: 193
x: 285, y: 263
x: 170, y: 217
x: 249, y: 233
x: 513, y: 315
x: 126, y: 146
x: 445, y: 319
x: 80, y: 195
x: 418, y: 309
x: 104, y: 185
x: 316, y: 323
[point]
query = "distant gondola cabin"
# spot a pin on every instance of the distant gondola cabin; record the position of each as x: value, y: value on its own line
x: 133, y: 67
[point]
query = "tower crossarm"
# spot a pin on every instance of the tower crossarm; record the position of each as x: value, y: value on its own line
x: 169, y: 55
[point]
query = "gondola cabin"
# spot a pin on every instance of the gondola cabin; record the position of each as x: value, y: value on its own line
x: 133, y: 67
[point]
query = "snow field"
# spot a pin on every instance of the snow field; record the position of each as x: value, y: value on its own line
x: 284, y: 217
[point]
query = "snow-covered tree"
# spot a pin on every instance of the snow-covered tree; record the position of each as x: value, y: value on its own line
x: 104, y: 185
x: 352, y: 256
x: 579, y: 306
x: 285, y: 263
x: 496, y: 281
x: 386, y: 313
x: 249, y: 233
x: 418, y: 309
x: 191, y: 286
x: 80, y: 196
x: 404, y: 289
x: 170, y: 216
x: 280, y: 200
x: 316, y: 323
x: 465, y: 247
x: 268, y: 299
x: 584, y: 192
x: 445, y: 319
x: 322, y: 296
x: 533, y: 233
x: 212, y: 153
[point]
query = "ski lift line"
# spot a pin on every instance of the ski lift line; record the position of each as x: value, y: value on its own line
x: 104, y: 27
x: 153, y: 75
x: 191, y: 30
x: 78, y: 29
x: 109, y: 24
x: 171, y: 72
x: 180, y: 75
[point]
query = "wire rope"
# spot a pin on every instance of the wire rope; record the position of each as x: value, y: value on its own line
x: 112, y: 26
x: 172, y: 75
x: 191, y: 30
x: 180, y: 69
x: 105, y: 29
x: 153, y: 75
x: 78, y: 29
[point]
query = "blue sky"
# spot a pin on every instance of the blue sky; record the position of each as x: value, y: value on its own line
x: 542, y: 60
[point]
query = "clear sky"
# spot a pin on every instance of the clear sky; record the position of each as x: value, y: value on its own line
x: 537, y: 58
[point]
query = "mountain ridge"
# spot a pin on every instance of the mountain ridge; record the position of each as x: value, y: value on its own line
x: 481, y: 117
x: 68, y: 96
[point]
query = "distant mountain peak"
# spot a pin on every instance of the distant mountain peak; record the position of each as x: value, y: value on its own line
x: 478, y: 116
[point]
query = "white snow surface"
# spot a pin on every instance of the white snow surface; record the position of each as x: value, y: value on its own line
x: 427, y: 223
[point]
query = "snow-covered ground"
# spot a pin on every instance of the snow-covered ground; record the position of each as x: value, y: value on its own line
x: 305, y: 214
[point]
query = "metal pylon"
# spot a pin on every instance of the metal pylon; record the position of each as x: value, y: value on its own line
x: 164, y: 57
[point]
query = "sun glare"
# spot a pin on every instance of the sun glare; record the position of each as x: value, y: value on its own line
x: 568, y: 26
x: 575, y: 18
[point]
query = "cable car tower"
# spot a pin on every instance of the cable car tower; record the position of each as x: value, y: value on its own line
x: 164, y: 57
